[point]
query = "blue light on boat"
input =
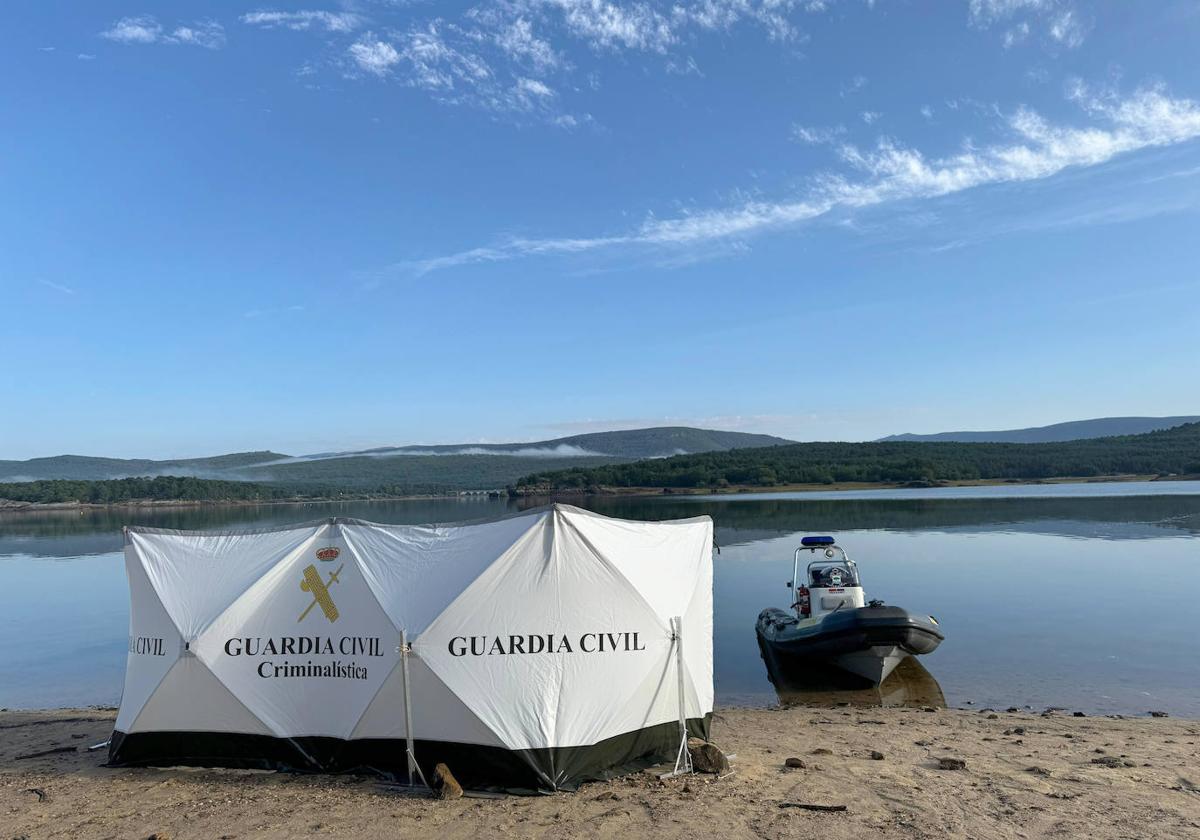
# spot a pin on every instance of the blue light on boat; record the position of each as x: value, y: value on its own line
x: 811, y: 541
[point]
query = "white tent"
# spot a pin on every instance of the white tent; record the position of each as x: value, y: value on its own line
x: 542, y: 650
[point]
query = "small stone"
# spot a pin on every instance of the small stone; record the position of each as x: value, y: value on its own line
x: 1078, y: 714
x: 928, y: 709
x: 1110, y: 761
x: 993, y: 717
x: 159, y: 835
x: 923, y: 743
x: 1159, y: 714
x: 607, y: 796
x: 1012, y: 709
x: 797, y: 763
x: 876, y: 755
x: 951, y: 764
x: 445, y: 786
x: 1037, y: 771
x: 822, y: 751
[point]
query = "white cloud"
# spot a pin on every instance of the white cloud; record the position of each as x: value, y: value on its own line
x: 300, y: 21
x: 989, y: 11
x: 609, y: 25
x: 373, y: 55
x: 145, y: 29
x: 890, y: 172
x: 927, y: 112
x: 142, y: 29
x: 533, y: 87
x: 207, y: 34
x: 1067, y: 29
x: 518, y: 41
x: 870, y: 117
x: 86, y: 57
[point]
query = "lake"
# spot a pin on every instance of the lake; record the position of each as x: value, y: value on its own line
x: 1082, y: 596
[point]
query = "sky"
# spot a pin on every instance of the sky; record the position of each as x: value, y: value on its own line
x: 323, y: 226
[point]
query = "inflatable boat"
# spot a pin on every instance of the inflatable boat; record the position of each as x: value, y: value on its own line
x: 832, y: 624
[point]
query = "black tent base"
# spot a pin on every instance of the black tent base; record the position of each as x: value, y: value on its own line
x: 476, y: 767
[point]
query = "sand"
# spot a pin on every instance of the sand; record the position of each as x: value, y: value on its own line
x: 1039, y: 783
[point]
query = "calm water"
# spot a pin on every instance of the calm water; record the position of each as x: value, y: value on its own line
x: 1061, y: 595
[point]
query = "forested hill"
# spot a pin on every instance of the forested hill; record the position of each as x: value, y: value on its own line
x: 123, y: 490
x: 1172, y: 451
x: 1071, y: 430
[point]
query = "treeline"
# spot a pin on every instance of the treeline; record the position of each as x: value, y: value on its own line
x: 186, y: 489
x: 158, y: 489
x: 1171, y: 451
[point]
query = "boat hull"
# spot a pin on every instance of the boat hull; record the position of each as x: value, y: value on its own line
x: 868, y: 642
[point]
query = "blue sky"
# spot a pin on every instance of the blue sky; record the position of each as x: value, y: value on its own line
x: 305, y: 227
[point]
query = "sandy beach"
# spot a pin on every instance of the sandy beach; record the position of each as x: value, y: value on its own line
x: 1026, y: 775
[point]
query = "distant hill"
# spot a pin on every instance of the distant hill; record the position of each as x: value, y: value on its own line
x: 88, y: 468
x: 403, y: 469
x: 1172, y: 451
x: 1073, y: 430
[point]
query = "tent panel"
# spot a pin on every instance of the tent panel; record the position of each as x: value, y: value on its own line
x: 154, y: 642
x: 416, y: 571
x: 438, y: 715
x: 191, y: 697
x: 546, y: 630
x: 698, y: 642
x: 307, y: 647
x: 660, y: 559
x: 197, y: 576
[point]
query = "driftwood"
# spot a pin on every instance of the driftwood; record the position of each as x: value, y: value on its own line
x: 46, y: 752
x: 810, y: 807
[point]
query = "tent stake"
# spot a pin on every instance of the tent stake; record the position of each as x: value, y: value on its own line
x: 409, y: 756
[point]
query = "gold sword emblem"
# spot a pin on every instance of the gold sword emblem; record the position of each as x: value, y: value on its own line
x: 319, y: 588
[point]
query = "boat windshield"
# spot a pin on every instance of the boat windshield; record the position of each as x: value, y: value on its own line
x: 832, y: 574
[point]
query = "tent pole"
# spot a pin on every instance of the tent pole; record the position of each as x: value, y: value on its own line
x: 683, y: 759
x: 409, y: 755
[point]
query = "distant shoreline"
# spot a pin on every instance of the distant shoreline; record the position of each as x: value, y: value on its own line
x: 10, y: 507
x: 742, y: 489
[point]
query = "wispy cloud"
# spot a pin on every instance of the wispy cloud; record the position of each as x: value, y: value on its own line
x: 510, y: 56
x: 890, y: 172
x: 58, y: 287
x: 853, y: 86
x: 373, y: 55
x: 1060, y: 20
x: 145, y: 29
x: 304, y: 20
x: 439, y: 58
x: 816, y: 135
x: 281, y: 310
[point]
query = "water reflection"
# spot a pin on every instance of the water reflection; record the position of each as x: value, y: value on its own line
x: 809, y: 684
